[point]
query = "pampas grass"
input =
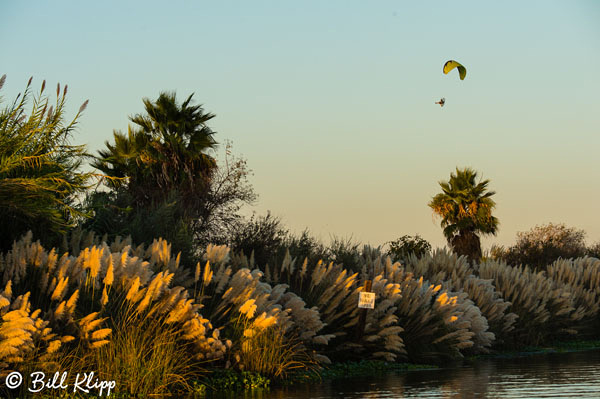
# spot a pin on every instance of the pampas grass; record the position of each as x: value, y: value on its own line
x: 144, y: 358
x: 136, y: 312
x: 546, y: 311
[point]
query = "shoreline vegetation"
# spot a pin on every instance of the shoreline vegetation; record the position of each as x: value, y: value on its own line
x: 130, y: 311
x: 370, y: 368
x: 150, y: 279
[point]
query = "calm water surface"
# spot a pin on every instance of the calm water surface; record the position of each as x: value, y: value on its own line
x: 559, y: 375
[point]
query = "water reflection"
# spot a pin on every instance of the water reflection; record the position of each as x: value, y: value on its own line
x: 564, y: 375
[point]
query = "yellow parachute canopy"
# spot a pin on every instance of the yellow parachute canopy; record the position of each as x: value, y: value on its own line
x: 450, y: 65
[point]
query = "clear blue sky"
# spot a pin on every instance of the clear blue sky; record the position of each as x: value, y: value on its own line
x: 332, y: 102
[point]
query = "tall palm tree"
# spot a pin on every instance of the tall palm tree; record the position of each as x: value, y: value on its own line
x: 160, y: 172
x: 465, y: 207
x: 39, y: 169
x: 166, y: 151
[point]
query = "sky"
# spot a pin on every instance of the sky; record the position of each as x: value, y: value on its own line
x: 332, y: 102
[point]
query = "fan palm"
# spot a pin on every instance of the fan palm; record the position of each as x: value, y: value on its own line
x: 465, y: 207
x: 164, y: 152
x: 161, y: 173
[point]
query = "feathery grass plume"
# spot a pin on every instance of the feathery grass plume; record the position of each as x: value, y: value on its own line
x: 197, y: 274
x: 148, y: 359
x: 15, y: 337
x: 228, y: 293
x: 149, y: 292
x: 207, y: 275
x: 428, y: 317
x: 433, y: 318
x: 104, y: 299
x: 109, y: 277
x: 381, y: 338
x: 159, y: 253
x: 331, y: 292
x: 59, y: 291
x: 26, y: 341
x: 546, y: 312
x: 49, y: 280
x: 581, y: 278
x: 455, y: 273
x: 133, y: 289
x: 262, y: 345
x: 455, y: 326
x: 89, y: 325
x: 217, y: 254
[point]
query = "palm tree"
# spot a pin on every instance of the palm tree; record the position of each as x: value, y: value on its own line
x: 165, y: 152
x: 160, y: 175
x: 39, y: 169
x: 465, y: 207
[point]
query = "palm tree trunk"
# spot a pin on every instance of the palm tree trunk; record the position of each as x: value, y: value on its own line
x: 467, y: 243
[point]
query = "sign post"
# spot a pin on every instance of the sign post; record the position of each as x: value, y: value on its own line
x: 366, y: 300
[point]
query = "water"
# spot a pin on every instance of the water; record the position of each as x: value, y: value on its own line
x: 559, y: 375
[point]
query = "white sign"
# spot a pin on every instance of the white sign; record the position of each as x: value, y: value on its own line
x: 366, y: 300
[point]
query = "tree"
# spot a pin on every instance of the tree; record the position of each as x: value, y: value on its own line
x: 406, y: 245
x: 543, y: 244
x: 166, y: 183
x: 465, y: 207
x: 166, y: 151
x: 227, y: 192
x: 40, y: 179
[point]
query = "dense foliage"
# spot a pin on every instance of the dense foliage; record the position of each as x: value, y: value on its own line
x: 401, y: 248
x: 40, y: 171
x: 544, y: 244
x: 165, y: 181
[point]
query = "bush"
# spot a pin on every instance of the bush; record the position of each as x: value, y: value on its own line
x: 345, y: 252
x: 261, y: 237
x: 544, y: 244
x: 594, y: 250
x: 406, y: 245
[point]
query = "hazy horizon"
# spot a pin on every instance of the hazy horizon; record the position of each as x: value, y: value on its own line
x: 332, y: 103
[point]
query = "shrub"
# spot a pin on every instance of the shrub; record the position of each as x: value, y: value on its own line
x: 407, y: 245
x: 345, y: 252
x: 260, y: 238
x: 544, y: 244
x: 594, y: 250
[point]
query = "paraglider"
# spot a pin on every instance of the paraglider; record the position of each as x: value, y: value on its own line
x: 450, y: 65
